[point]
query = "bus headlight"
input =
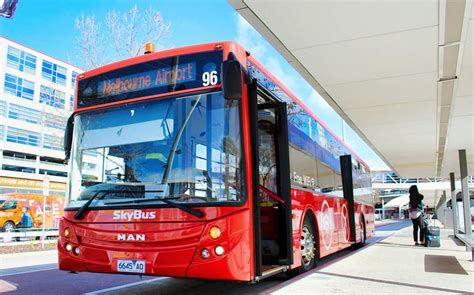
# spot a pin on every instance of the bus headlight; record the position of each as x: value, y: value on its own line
x: 219, y: 250
x: 77, y: 251
x: 67, y: 232
x: 215, y: 232
x: 68, y: 247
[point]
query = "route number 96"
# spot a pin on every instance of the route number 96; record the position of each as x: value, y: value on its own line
x: 209, y: 78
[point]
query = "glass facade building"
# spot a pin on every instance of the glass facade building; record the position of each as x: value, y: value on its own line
x: 36, y: 93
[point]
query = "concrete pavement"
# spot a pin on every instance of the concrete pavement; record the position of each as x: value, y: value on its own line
x: 392, y: 266
x: 16, y: 260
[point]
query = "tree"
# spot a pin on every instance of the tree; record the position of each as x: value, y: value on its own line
x: 123, y: 35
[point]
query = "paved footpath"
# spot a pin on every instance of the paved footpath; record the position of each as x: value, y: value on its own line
x: 10, y: 262
x: 392, y: 266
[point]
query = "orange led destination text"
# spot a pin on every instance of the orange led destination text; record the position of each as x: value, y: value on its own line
x: 159, y: 78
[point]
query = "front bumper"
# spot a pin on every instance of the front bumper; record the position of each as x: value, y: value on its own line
x: 170, y: 249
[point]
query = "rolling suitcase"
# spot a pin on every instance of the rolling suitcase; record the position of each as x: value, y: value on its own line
x: 432, y: 236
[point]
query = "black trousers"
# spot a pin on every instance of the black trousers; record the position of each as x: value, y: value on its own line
x: 418, y: 224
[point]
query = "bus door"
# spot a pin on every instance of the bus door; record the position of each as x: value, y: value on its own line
x: 271, y: 178
x: 348, y: 190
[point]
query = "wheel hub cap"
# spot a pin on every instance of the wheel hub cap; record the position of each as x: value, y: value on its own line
x: 307, y: 245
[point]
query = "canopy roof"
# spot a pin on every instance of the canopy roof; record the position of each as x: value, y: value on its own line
x: 400, y: 73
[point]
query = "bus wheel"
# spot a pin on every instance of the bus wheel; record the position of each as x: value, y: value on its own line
x: 8, y: 227
x: 362, y: 235
x: 309, y: 246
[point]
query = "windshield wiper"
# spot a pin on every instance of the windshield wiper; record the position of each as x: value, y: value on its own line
x: 86, y: 205
x: 167, y: 200
x: 138, y: 201
x: 194, y: 212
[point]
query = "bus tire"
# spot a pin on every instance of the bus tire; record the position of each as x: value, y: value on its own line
x: 8, y: 226
x: 362, y: 233
x: 309, y: 248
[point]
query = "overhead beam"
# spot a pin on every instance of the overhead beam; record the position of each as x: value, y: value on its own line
x: 452, y: 35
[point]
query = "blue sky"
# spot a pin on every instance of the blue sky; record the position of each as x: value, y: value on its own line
x: 48, y: 26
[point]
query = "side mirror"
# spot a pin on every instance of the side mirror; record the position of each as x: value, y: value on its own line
x: 232, y: 78
x: 68, y: 137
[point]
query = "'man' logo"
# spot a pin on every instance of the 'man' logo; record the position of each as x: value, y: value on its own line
x: 131, y: 237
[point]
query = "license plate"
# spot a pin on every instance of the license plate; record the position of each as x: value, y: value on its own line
x: 136, y: 266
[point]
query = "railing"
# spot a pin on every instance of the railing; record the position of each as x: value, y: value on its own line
x: 390, y: 177
x: 30, y: 234
x: 19, y: 159
x: 52, y: 163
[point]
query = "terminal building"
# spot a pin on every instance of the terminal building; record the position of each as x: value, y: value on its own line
x: 36, y: 98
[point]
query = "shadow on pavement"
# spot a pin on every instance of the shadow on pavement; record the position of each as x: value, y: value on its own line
x: 393, y: 226
x: 457, y: 241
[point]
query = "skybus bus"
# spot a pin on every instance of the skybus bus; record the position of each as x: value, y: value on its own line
x: 197, y: 162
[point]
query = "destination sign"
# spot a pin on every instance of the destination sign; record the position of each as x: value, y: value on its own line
x: 151, y: 78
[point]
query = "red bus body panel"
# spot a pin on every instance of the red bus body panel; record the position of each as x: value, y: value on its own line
x: 171, y: 245
x: 329, y: 215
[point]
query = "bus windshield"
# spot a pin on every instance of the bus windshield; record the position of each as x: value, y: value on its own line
x: 187, y: 149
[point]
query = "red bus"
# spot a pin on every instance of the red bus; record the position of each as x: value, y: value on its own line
x: 196, y: 162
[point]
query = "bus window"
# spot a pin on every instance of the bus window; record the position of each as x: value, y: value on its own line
x: 267, y: 155
x: 181, y: 146
x: 326, y: 178
x: 303, y: 169
x: 338, y: 184
x: 361, y: 180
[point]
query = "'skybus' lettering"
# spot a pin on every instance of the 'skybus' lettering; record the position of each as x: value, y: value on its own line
x: 135, y: 215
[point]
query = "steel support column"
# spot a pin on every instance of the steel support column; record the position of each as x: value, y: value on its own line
x: 440, y: 207
x: 465, y: 193
x: 454, y: 205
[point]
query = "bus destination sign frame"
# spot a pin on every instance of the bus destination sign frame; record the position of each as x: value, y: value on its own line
x: 149, y: 78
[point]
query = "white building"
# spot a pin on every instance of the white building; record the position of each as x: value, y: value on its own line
x: 36, y: 98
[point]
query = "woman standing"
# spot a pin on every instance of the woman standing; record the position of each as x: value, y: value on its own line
x: 416, y: 214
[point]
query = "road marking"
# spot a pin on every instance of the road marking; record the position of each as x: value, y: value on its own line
x: 28, y: 271
x: 125, y: 286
